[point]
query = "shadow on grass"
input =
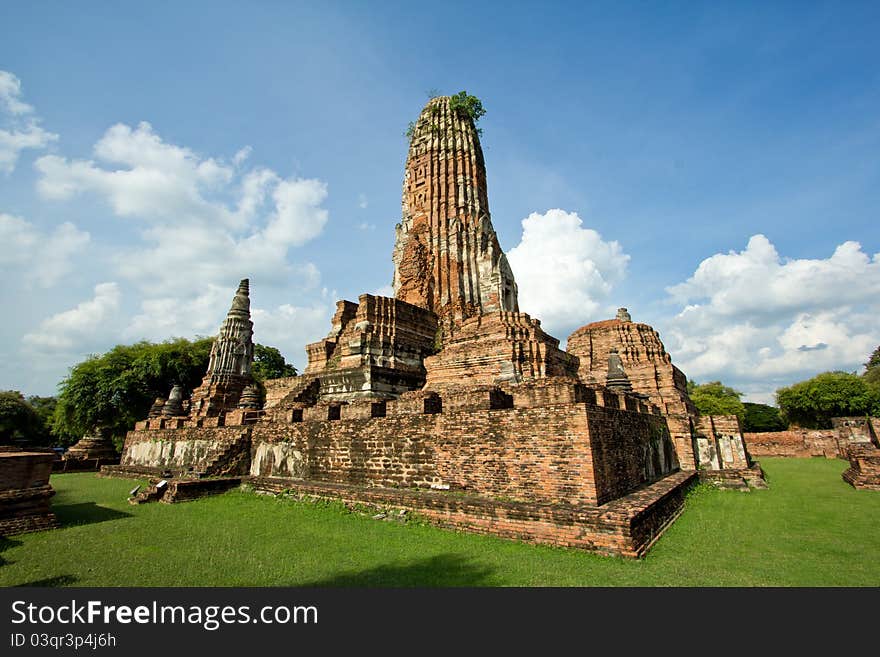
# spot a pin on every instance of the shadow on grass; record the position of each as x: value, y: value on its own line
x: 86, y: 513
x: 60, y: 580
x: 442, y: 570
x: 5, y: 544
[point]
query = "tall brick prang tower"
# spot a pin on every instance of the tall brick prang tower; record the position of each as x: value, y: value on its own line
x: 446, y: 256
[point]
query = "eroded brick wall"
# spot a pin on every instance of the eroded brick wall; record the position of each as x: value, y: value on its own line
x: 629, y: 449
x: 797, y: 443
x: 804, y: 443
x: 187, y: 448
x: 573, y: 453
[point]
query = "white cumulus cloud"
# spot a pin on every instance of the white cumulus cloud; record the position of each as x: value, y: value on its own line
x: 290, y: 327
x: 204, y: 221
x: 80, y: 326
x: 756, y: 320
x: 563, y: 270
x: 43, y: 258
x: 19, y: 128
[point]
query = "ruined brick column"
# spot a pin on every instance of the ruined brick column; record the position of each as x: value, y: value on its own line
x: 229, y: 369
x: 446, y: 256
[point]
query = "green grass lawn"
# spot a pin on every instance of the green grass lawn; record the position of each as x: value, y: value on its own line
x: 809, y: 529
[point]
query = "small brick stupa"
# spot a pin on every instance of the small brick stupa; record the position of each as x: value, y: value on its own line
x: 91, y: 452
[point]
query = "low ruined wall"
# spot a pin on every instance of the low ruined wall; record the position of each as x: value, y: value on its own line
x: 795, y: 443
x: 803, y: 443
x: 191, y: 448
x: 565, y: 453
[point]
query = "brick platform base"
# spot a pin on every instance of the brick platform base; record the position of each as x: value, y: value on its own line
x: 131, y: 471
x: 628, y: 526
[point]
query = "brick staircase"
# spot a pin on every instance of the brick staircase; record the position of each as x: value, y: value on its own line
x: 231, y: 460
x: 151, y: 493
x: 304, y: 391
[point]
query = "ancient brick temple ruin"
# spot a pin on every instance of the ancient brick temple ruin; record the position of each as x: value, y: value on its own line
x: 448, y: 401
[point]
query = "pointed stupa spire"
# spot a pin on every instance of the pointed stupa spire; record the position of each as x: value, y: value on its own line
x: 233, y: 350
x: 446, y: 255
x: 241, y: 303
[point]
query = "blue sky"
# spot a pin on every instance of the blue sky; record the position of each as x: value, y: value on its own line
x: 721, y: 161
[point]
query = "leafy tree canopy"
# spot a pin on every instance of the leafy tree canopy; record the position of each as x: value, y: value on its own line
x: 714, y: 398
x: 19, y: 422
x: 812, y: 403
x: 761, y: 417
x: 874, y: 360
x: 270, y: 364
x: 44, y: 406
x: 467, y: 106
x: 872, y: 369
x: 116, y: 389
x: 463, y: 104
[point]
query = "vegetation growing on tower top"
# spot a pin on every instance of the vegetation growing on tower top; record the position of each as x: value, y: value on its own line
x: 462, y: 104
x: 466, y: 106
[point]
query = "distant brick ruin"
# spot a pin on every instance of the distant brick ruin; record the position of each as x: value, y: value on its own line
x: 856, y: 439
x: 94, y: 450
x: 447, y: 400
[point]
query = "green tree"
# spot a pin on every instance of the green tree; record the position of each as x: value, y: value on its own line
x: 463, y: 104
x: 872, y: 369
x: 812, y: 403
x: 117, y: 388
x: 270, y: 364
x: 761, y: 417
x: 45, y: 408
x: 874, y: 360
x: 467, y: 106
x: 713, y: 398
x: 19, y: 422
